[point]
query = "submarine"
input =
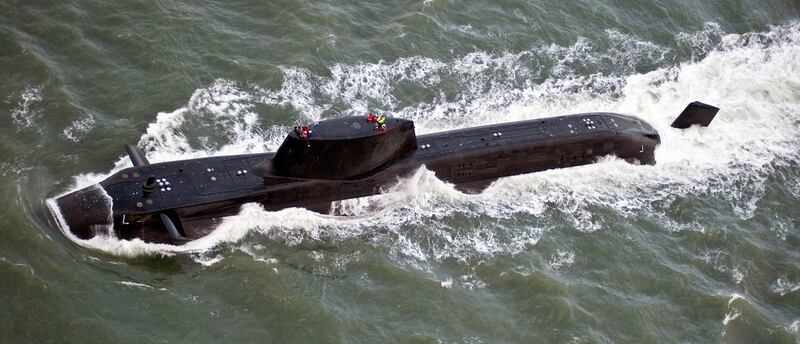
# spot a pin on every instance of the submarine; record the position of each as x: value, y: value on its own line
x: 179, y: 201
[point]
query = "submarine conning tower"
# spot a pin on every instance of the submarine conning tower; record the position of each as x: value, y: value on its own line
x: 342, y: 148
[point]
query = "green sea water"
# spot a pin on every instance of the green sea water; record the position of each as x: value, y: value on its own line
x: 702, y: 247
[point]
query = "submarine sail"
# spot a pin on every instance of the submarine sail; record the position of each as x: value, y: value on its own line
x: 342, y: 148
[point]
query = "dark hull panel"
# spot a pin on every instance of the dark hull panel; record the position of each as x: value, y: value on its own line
x: 197, y: 194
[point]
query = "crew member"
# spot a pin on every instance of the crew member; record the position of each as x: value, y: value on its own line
x: 302, y: 131
x: 371, y: 117
x: 381, y: 123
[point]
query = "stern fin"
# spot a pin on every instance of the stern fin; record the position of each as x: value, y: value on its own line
x: 695, y: 113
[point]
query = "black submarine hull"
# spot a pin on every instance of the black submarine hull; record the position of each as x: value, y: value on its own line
x: 193, y: 196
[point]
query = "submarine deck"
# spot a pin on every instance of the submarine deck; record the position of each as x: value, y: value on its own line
x: 442, y: 143
x: 218, y: 179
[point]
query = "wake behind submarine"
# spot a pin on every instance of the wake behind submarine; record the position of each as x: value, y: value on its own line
x: 178, y: 201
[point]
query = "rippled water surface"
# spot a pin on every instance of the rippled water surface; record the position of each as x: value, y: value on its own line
x: 702, y: 247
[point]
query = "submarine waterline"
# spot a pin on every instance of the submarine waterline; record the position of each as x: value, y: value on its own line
x: 172, y: 202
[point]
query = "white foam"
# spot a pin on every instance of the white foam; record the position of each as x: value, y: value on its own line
x: 783, y: 286
x: 729, y: 317
x: 26, y: 267
x: 723, y: 262
x: 754, y: 78
x: 25, y: 113
x: 471, y: 281
x: 254, y: 251
x: 562, y: 259
x: 134, y: 284
x: 737, y: 274
x: 448, y: 284
x: 735, y: 297
x: 701, y: 42
x: 75, y: 131
x: 794, y: 327
x: 733, y: 313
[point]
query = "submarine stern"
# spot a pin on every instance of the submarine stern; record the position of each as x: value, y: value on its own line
x: 638, y: 139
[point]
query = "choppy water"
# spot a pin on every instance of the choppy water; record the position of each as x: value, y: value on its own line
x: 702, y: 247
